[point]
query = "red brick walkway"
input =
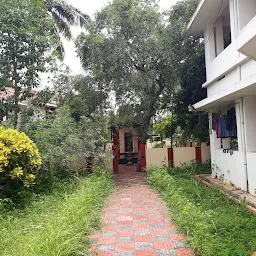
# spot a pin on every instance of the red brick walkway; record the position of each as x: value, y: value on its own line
x: 135, y: 222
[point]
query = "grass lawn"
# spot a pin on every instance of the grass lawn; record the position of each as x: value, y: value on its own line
x: 214, y: 224
x: 56, y: 224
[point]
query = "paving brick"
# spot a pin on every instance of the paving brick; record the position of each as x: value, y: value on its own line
x: 124, y: 227
x: 123, y: 239
x: 180, y: 244
x: 141, y: 232
x: 159, y: 232
x: 164, y: 252
x: 126, y: 253
x: 144, y: 245
x: 124, y: 233
x: 106, y: 247
x: 157, y: 226
x: 184, y: 252
x: 105, y: 254
x: 124, y: 246
x: 161, y: 238
x: 145, y: 253
x: 108, y: 233
x: 107, y: 240
x: 178, y: 237
x: 163, y: 245
x: 146, y: 238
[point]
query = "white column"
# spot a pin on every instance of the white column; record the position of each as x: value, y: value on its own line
x: 209, y: 45
x: 219, y: 35
x: 233, y: 19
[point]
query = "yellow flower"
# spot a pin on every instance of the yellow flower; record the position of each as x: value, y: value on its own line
x: 31, y: 177
x: 1, y: 169
x: 16, y: 173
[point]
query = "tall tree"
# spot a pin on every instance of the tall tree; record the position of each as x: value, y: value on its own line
x: 188, y: 60
x: 125, y: 51
x: 26, y: 42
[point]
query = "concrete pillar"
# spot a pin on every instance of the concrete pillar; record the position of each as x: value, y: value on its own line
x: 209, y: 42
x: 219, y: 35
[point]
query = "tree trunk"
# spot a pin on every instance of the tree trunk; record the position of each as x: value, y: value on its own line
x: 16, y: 95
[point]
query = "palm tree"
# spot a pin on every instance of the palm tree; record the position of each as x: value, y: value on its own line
x: 64, y: 16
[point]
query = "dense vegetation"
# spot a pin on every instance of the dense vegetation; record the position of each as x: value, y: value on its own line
x: 215, y: 225
x: 57, y: 223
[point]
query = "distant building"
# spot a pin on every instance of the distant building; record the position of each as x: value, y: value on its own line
x: 39, y: 112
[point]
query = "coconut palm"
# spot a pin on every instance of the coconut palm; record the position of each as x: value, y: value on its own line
x: 64, y: 16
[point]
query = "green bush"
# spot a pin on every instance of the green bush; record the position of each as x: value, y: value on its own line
x: 67, y: 147
x: 215, y: 225
x: 19, y: 162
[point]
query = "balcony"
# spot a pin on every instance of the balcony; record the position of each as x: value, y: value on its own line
x: 246, y: 41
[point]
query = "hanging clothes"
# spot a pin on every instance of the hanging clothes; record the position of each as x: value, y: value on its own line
x: 215, y: 118
x: 217, y: 126
x: 222, y: 129
x: 231, y: 122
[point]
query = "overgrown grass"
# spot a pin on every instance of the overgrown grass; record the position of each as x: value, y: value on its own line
x: 56, y: 224
x: 214, y: 224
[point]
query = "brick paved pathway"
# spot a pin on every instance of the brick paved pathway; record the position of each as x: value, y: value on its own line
x: 135, y: 222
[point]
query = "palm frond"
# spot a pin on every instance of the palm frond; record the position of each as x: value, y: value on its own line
x: 62, y: 25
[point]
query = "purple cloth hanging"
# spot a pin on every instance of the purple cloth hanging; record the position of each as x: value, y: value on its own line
x: 222, y: 130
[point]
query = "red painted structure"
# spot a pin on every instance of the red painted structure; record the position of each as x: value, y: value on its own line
x: 170, y: 158
x: 142, y: 153
x: 116, y: 149
x: 198, y: 154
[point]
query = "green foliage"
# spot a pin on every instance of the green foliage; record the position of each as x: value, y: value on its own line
x: 67, y: 147
x: 125, y: 52
x: 19, y: 162
x: 215, y: 225
x: 188, y: 60
x: 58, y: 223
x: 26, y: 42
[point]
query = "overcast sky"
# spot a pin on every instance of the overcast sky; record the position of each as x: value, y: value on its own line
x: 90, y: 7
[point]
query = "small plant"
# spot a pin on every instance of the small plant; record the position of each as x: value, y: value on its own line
x: 19, y: 162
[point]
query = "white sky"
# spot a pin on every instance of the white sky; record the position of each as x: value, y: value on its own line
x: 90, y: 7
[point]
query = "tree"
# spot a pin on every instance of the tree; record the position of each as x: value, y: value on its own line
x: 86, y: 100
x: 125, y: 51
x: 64, y: 16
x: 188, y: 59
x: 167, y: 127
x: 26, y: 42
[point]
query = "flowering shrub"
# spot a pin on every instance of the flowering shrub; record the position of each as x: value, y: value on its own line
x: 19, y: 161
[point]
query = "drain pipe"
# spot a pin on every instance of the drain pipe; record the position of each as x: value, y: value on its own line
x: 244, y: 143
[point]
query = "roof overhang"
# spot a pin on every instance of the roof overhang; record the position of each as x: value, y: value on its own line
x: 226, y: 97
x: 206, y: 13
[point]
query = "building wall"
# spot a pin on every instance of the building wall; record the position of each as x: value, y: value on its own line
x: 157, y: 157
x: 230, y: 168
x: 183, y: 155
x: 206, y: 154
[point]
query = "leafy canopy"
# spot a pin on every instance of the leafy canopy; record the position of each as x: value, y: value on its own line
x: 125, y: 51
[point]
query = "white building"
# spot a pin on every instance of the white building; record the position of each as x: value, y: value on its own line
x: 229, y: 30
